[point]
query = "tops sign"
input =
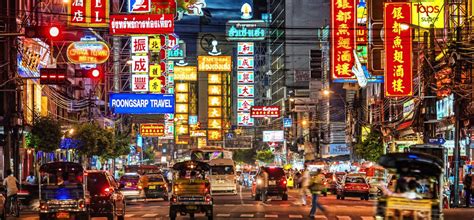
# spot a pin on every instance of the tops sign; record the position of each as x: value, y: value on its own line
x: 130, y: 103
x: 215, y: 63
x: 245, y: 30
x: 141, y: 24
x: 95, y: 52
x: 426, y: 13
x: 265, y: 111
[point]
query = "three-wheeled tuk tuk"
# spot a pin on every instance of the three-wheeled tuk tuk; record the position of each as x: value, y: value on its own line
x: 62, y: 191
x: 191, y: 191
x: 415, y: 189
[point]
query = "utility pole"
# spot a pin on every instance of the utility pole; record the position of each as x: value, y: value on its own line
x: 458, y: 114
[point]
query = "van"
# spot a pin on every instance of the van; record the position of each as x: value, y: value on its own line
x: 223, y: 177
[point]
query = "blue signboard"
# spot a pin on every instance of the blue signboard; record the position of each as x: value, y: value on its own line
x: 130, y: 103
x: 436, y: 141
x: 339, y: 149
x: 287, y: 122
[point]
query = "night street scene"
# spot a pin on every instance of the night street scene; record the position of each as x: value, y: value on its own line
x: 237, y: 109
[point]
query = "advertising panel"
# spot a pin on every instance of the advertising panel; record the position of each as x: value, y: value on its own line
x: 139, y: 44
x: 155, y: 85
x: 429, y: 12
x: 244, y: 104
x: 245, y: 49
x: 214, y: 63
x: 265, y: 111
x: 244, y: 119
x: 139, y: 6
x: 130, y: 103
x: 398, y: 50
x: 408, y: 108
x: 339, y: 149
x: 245, y: 63
x: 214, y: 135
x: 152, y: 130
x: 35, y: 55
x: 445, y: 107
x: 141, y: 24
x: 245, y: 76
x: 140, y: 64
x: 88, y: 13
x: 245, y: 30
x: 83, y: 52
x: 185, y: 73
x: 273, y: 136
x: 139, y: 83
x: 245, y: 91
x: 343, y: 35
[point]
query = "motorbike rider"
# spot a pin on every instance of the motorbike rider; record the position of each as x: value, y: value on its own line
x: 10, y: 182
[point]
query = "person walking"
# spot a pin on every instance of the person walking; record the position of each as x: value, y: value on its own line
x: 12, y: 189
x: 468, y: 187
x: 305, y: 179
x: 316, y: 187
x: 264, y: 177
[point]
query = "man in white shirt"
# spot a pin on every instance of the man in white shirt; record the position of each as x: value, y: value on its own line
x: 10, y: 182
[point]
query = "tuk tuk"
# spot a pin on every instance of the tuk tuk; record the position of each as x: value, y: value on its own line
x: 415, y: 189
x: 191, y: 190
x: 63, y: 191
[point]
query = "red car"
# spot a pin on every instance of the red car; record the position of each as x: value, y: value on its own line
x: 353, y: 186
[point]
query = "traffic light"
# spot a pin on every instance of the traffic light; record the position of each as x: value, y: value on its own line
x: 52, y: 76
x: 95, y: 73
x: 52, y: 32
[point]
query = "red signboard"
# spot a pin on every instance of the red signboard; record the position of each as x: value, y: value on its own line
x: 141, y: 24
x: 398, y: 49
x: 265, y: 111
x: 152, y: 130
x: 88, y: 13
x: 343, y: 38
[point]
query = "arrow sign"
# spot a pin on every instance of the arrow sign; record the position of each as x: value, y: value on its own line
x: 436, y: 141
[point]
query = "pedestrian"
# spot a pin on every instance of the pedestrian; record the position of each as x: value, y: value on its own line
x: 305, y: 179
x: 12, y: 189
x: 297, y: 178
x: 31, y: 179
x: 316, y: 187
x: 468, y: 187
x: 264, y: 188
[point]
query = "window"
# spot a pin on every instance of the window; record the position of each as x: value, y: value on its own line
x: 222, y: 170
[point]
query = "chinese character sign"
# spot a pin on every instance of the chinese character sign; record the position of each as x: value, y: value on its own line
x: 246, y: 91
x: 139, y: 44
x: 244, y: 104
x: 88, y: 13
x: 244, y: 119
x: 245, y: 48
x: 140, y: 64
x: 343, y: 26
x: 398, y: 43
x: 139, y: 83
x: 245, y: 63
x: 245, y: 77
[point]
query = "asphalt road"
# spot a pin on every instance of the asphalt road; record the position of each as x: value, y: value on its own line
x: 242, y: 206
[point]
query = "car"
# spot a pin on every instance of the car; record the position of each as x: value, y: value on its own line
x: 353, y: 186
x: 128, y: 185
x: 157, y: 187
x: 334, y: 179
x: 105, y: 198
x: 276, y: 183
x: 375, y: 188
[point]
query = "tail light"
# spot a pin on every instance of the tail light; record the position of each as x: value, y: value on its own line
x: 283, y: 182
x: 174, y: 199
x: 140, y: 187
x: 82, y: 204
x: 44, y: 206
x: 208, y: 198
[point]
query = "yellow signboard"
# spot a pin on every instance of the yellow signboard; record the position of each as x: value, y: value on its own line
x: 215, y: 63
x: 428, y: 12
x: 198, y: 133
x: 215, y: 90
x: 182, y: 87
x: 182, y: 129
x: 214, y: 135
x: 215, y: 123
x: 182, y: 97
x: 214, y: 112
x: 155, y: 85
x: 215, y: 101
x: 214, y: 79
x: 185, y: 73
x: 202, y: 143
x: 155, y: 70
x: 181, y: 108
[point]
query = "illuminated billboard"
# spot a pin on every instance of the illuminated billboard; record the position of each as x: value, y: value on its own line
x: 185, y: 73
x: 273, y: 136
x: 214, y: 63
x: 84, y: 52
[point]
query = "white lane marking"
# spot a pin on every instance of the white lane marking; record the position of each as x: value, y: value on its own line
x: 229, y: 204
x: 129, y: 215
x: 343, y: 218
x: 361, y: 207
x: 271, y: 216
x: 266, y: 204
x: 246, y: 215
x: 149, y: 215
x: 223, y: 215
x: 341, y: 206
x: 320, y: 217
x: 248, y: 205
x: 200, y: 215
x: 285, y: 205
x: 367, y: 217
x: 295, y: 216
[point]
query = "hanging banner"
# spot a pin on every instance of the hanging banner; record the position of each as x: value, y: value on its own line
x: 245, y: 49
x: 398, y: 50
x: 244, y: 104
x: 140, y: 64
x: 343, y: 39
x: 141, y: 24
x: 245, y: 91
x: 265, y: 111
x: 245, y: 63
x: 88, y: 13
x: 245, y: 76
x: 130, y: 103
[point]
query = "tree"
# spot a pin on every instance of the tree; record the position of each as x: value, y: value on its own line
x: 245, y: 156
x: 93, y: 139
x: 372, y: 147
x: 120, y: 146
x: 45, y: 134
x: 265, y: 156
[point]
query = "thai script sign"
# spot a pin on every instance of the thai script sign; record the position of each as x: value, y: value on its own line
x: 141, y: 24
x: 245, y: 30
